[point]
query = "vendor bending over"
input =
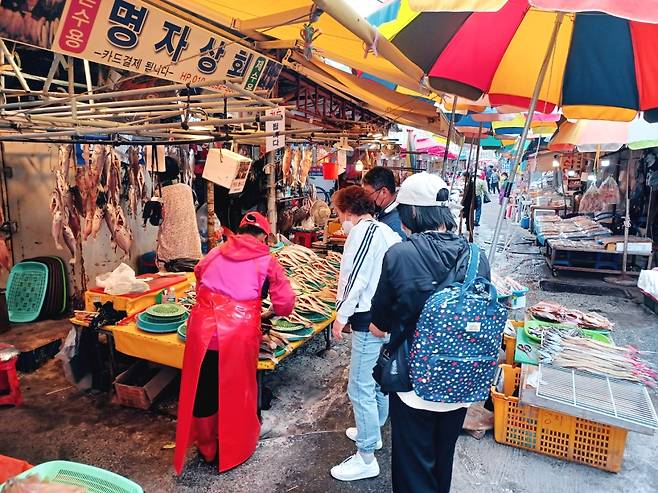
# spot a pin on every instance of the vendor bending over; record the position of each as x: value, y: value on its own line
x: 223, y: 340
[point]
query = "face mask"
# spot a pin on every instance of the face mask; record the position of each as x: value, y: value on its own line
x: 347, y: 226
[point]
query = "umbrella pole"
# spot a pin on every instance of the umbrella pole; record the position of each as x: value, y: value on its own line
x: 524, y: 135
x: 451, y: 127
x: 475, y: 182
x: 627, y: 218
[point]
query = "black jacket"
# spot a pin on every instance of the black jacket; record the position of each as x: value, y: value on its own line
x: 392, y: 220
x: 406, y: 281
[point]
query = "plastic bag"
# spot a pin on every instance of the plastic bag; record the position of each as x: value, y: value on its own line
x: 120, y: 281
x: 66, y: 354
x: 34, y: 484
x: 609, y: 192
x: 591, y: 201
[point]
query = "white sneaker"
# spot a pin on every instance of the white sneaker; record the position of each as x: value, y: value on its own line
x: 354, y: 468
x: 352, y: 432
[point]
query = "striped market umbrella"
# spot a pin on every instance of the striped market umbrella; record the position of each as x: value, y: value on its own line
x: 595, y: 135
x: 600, y: 65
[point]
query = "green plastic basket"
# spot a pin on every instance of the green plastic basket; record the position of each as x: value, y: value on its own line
x: 93, y: 479
x: 26, y: 291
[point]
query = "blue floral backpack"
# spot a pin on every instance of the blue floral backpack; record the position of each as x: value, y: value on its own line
x: 455, y: 347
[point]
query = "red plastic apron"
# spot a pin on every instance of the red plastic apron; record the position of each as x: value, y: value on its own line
x: 237, y: 324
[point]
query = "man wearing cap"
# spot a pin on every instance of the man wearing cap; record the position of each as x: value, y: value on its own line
x: 379, y: 183
x: 218, y: 396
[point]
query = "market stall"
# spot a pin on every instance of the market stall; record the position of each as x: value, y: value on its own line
x: 154, y: 326
x: 565, y: 377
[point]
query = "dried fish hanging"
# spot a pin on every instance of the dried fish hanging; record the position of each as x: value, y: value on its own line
x: 596, y: 357
x: 95, y: 197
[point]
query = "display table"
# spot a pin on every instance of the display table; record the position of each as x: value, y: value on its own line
x: 594, y: 260
x: 168, y: 349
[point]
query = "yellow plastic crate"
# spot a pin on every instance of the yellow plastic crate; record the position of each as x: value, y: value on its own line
x: 551, y: 433
x: 510, y: 343
x: 134, y: 304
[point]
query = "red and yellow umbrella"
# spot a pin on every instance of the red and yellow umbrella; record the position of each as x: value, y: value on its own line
x: 602, y: 66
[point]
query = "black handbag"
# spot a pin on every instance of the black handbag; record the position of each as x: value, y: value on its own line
x: 391, y: 371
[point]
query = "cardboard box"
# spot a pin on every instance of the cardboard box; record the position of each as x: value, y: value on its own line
x: 129, y: 391
x: 227, y: 169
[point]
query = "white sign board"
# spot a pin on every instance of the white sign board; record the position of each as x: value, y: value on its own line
x: 275, y: 142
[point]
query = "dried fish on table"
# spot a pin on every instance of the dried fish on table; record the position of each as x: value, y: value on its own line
x: 596, y: 357
x: 554, y: 312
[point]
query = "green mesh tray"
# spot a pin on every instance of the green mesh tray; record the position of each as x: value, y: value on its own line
x: 93, y: 479
x: 26, y: 291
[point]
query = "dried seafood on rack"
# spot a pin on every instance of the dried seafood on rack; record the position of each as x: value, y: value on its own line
x: 596, y: 357
x: 554, y: 312
x: 506, y: 286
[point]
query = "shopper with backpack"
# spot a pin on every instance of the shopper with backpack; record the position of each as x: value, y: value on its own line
x: 424, y: 432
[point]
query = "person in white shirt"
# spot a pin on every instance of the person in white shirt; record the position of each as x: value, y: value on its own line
x: 367, y: 242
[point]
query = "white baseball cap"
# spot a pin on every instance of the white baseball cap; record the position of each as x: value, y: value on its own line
x: 422, y: 189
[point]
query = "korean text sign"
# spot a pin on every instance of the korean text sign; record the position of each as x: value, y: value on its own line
x: 135, y: 36
x: 277, y: 140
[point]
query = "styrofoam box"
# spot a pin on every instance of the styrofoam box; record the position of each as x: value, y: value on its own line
x: 223, y: 166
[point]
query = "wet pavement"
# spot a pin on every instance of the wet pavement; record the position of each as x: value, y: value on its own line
x: 304, y: 429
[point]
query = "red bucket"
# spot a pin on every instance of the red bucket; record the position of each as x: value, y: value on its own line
x: 330, y: 171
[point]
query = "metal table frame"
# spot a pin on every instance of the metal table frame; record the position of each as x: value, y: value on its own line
x: 261, y: 373
x: 551, y: 257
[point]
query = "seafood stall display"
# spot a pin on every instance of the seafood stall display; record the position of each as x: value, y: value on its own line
x: 554, y: 312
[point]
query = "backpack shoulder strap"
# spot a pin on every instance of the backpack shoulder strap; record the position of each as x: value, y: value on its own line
x: 473, y: 264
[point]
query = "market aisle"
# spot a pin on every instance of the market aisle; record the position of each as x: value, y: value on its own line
x: 308, y: 418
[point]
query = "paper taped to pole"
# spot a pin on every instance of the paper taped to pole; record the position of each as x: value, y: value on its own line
x: 276, y: 141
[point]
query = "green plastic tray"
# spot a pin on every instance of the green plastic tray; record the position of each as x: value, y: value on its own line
x: 158, y: 328
x: 597, y: 335
x: 166, y: 310
x: 26, y: 291
x: 93, y: 479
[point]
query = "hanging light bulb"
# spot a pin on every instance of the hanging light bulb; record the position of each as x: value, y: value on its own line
x: 359, y: 166
x: 605, y: 163
x: 556, y: 162
x: 571, y: 173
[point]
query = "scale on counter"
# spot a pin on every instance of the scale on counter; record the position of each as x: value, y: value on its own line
x: 611, y: 401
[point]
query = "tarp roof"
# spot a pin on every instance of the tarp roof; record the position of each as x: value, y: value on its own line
x: 406, y: 110
x: 283, y: 20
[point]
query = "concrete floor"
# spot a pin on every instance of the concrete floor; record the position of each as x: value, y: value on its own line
x: 305, y: 427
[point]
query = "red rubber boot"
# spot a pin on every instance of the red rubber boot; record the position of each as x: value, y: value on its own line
x: 205, y: 436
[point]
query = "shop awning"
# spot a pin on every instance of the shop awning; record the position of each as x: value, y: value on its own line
x: 283, y: 20
x: 403, y: 109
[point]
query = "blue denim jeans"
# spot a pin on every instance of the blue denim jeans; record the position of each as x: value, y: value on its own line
x: 369, y: 404
x: 478, y: 209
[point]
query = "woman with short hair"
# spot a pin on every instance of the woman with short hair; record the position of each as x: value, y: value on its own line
x: 367, y: 242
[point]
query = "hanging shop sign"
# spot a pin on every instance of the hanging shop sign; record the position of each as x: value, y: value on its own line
x: 274, y: 142
x: 135, y: 36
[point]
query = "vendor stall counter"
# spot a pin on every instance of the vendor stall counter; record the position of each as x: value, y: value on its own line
x: 168, y: 349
